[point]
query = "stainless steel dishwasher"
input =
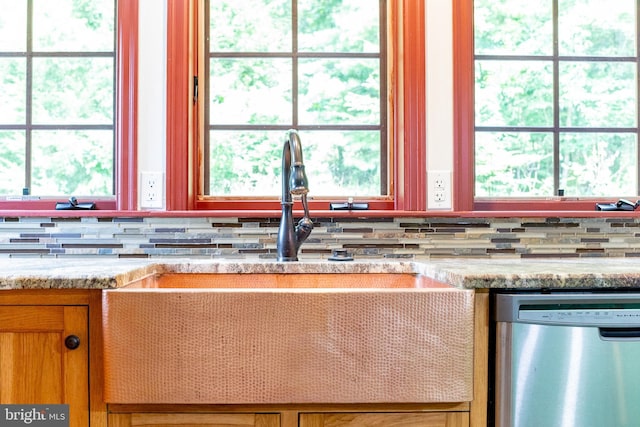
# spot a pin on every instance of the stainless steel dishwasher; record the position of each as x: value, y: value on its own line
x: 569, y: 359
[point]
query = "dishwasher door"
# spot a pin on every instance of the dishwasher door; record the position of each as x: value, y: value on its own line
x: 567, y: 360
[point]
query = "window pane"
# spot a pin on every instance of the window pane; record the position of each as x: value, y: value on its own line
x: 246, y: 162
x: 337, y: 163
x: 13, y: 90
x: 250, y: 25
x: 514, y: 93
x: 342, y: 163
x: 12, y: 155
x: 506, y: 27
x: 596, y: 164
x: 73, y: 90
x: 255, y: 91
x: 597, y: 27
x: 75, y: 163
x: 339, y: 91
x: 13, y: 26
x: 514, y: 164
x: 344, y: 26
x: 598, y: 94
x: 73, y: 25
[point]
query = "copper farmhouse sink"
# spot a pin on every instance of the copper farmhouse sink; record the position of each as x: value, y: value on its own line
x: 288, y: 281
x: 224, y: 338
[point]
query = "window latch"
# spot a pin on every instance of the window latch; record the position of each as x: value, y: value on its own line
x: 195, y: 89
x: 349, y: 206
x: 620, y: 205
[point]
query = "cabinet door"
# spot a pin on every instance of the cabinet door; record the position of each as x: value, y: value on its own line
x: 410, y: 419
x: 194, y: 420
x: 35, y: 365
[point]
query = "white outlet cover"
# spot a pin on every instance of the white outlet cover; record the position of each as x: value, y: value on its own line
x: 151, y: 190
x: 439, y: 190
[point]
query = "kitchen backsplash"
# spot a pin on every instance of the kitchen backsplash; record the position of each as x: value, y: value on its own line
x: 255, y: 238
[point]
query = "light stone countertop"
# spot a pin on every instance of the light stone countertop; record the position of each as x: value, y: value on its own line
x: 558, y: 273
x: 465, y: 273
x: 73, y: 273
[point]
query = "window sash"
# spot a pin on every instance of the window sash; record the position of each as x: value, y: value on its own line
x: 297, y: 57
x: 124, y: 123
x: 32, y: 124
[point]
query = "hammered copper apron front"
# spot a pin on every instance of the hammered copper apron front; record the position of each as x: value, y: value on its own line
x: 235, y: 346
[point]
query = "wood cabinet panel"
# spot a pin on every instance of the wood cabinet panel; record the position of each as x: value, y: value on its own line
x: 35, y: 365
x: 194, y: 420
x: 31, y: 318
x: 431, y: 419
x: 30, y: 368
x: 478, y: 414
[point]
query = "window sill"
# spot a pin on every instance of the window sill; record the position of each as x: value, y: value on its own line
x: 369, y: 214
x: 553, y: 204
x: 34, y: 205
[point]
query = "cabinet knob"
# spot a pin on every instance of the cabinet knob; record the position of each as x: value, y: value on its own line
x: 72, y: 342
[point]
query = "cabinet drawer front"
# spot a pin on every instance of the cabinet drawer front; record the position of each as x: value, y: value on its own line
x: 195, y: 420
x: 410, y: 419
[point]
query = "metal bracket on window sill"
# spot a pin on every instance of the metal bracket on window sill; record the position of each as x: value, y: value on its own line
x: 349, y: 206
x: 73, y: 204
x: 620, y: 205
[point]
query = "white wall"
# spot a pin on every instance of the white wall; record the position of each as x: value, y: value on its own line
x: 439, y: 58
x: 152, y: 85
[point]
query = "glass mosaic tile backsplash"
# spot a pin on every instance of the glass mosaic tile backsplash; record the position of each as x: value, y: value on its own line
x: 255, y: 238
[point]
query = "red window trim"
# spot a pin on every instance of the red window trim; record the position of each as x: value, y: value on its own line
x: 463, y: 114
x: 125, y: 121
x: 126, y: 105
x: 411, y: 167
x: 181, y: 63
x: 408, y: 112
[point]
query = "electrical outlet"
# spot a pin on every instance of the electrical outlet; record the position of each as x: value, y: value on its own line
x: 439, y: 190
x: 151, y: 190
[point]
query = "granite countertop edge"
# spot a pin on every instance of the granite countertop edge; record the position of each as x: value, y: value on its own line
x: 461, y: 273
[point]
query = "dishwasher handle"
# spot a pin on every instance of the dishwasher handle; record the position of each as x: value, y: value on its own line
x: 620, y: 334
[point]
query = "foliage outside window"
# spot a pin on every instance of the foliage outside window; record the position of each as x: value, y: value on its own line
x: 57, y: 83
x: 556, y: 98
x: 314, y: 65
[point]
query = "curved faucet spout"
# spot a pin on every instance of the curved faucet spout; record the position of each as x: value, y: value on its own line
x: 294, y: 178
x: 294, y: 182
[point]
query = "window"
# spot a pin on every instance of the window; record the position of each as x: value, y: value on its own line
x: 555, y: 107
x: 57, y: 116
x: 318, y: 66
x: 404, y: 121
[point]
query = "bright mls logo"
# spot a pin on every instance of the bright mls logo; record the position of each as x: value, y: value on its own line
x: 34, y: 415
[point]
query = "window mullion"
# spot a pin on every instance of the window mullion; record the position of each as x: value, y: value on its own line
x: 556, y: 101
x: 29, y: 98
x: 294, y: 63
x: 638, y: 96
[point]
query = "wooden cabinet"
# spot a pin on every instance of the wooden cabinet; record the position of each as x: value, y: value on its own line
x: 37, y: 366
x: 194, y: 420
x: 410, y: 419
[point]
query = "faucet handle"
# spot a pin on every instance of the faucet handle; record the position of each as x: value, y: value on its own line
x: 305, y: 223
x: 303, y: 230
